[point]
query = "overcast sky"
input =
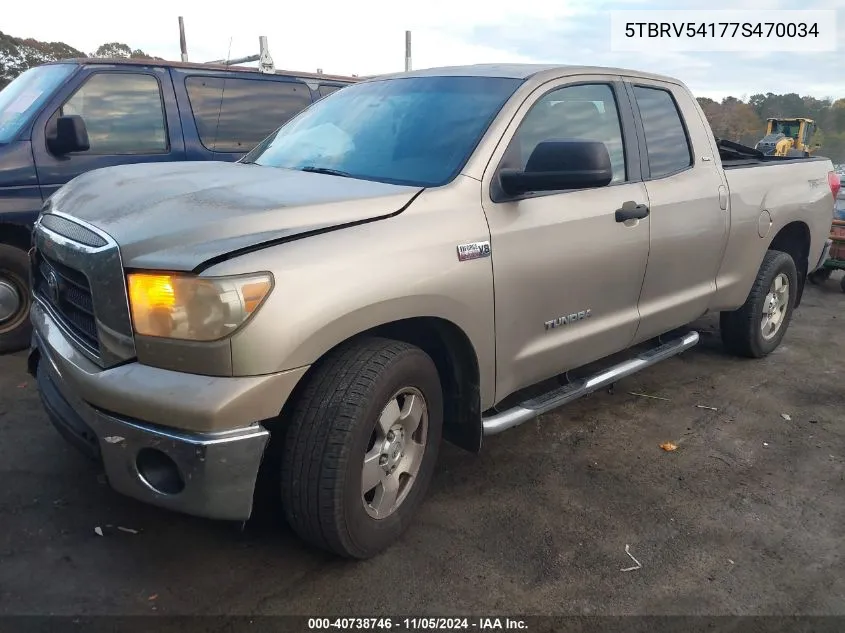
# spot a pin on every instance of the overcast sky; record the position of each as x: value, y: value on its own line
x: 367, y: 37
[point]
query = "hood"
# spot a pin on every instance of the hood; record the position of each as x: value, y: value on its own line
x: 177, y: 216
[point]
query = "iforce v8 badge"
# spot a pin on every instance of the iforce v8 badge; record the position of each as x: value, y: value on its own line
x: 473, y: 250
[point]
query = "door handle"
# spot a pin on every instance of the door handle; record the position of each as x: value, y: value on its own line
x: 631, y: 212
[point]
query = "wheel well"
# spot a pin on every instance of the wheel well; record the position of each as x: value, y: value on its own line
x: 456, y: 361
x: 15, y: 235
x: 794, y: 239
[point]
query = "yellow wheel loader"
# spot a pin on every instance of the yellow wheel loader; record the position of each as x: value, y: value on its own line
x: 788, y: 137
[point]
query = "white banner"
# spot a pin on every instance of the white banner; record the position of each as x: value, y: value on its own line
x: 723, y: 31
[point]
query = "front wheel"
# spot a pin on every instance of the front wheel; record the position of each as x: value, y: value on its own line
x: 361, y: 447
x: 15, y: 327
x: 758, y: 327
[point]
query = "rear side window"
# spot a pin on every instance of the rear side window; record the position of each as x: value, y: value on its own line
x: 123, y: 113
x: 665, y: 138
x: 237, y: 116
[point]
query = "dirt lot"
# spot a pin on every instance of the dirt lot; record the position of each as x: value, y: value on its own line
x: 746, y: 517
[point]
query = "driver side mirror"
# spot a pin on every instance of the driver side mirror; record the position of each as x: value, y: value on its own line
x: 556, y: 165
x: 71, y: 136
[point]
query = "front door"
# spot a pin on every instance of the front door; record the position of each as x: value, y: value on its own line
x: 130, y: 115
x: 561, y: 254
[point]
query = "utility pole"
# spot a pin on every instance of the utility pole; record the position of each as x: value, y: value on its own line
x: 182, y: 43
x: 407, y: 51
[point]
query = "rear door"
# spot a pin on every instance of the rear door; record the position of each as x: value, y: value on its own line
x: 131, y: 116
x: 226, y: 114
x: 689, y: 216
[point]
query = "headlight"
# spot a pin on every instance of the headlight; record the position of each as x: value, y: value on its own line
x: 194, y: 308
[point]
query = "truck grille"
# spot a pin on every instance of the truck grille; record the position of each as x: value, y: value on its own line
x: 77, y: 273
x: 68, y: 293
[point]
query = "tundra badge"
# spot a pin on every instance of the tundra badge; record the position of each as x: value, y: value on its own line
x: 473, y: 250
x: 566, y: 320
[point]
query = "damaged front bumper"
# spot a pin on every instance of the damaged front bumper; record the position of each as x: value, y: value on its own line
x: 204, y: 474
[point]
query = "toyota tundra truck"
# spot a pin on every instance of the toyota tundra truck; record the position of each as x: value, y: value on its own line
x: 434, y: 255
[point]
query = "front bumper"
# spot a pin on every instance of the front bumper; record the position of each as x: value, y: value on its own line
x: 210, y: 474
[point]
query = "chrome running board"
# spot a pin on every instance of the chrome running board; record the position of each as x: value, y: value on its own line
x: 544, y: 403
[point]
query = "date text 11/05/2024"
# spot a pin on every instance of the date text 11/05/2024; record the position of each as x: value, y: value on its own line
x: 417, y: 624
x: 721, y: 29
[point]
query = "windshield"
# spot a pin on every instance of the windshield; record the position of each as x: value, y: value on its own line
x: 787, y: 128
x: 25, y: 95
x: 412, y: 130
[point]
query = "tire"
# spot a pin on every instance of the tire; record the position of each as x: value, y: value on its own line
x: 842, y: 283
x: 820, y: 276
x: 742, y: 330
x: 15, y: 326
x: 335, y: 423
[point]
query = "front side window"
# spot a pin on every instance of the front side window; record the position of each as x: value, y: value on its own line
x: 409, y: 130
x: 234, y: 115
x: 665, y: 138
x: 123, y: 113
x: 585, y: 112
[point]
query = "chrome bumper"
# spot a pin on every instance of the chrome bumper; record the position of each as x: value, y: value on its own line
x: 204, y: 474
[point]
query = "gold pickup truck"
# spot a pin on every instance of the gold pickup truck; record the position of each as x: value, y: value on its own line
x: 442, y: 254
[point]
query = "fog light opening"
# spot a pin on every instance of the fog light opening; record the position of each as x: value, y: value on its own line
x: 159, y: 471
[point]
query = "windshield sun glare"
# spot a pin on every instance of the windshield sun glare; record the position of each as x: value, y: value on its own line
x: 410, y: 130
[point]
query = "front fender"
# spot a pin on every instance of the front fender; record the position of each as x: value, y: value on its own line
x: 331, y: 287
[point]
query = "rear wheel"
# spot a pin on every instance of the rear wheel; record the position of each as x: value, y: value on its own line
x: 758, y: 327
x: 15, y: 327
x: 361, y: 447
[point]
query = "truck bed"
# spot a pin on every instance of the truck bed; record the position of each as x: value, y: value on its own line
x: 737, y: 156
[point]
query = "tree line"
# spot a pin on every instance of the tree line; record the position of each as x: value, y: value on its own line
x: 19, y: 54
x: 743, y: 121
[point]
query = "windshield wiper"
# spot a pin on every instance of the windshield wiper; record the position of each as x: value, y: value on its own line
x: 326, y: 170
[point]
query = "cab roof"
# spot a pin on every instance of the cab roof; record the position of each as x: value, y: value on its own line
x: 163, y: 63
x: 523, y: 71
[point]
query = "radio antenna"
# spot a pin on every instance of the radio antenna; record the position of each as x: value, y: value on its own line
x: 182, y: 44
x: 222, y: 92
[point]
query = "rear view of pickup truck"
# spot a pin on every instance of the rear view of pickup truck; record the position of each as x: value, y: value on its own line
x: 443, y: 254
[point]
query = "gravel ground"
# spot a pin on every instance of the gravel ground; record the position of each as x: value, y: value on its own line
x: 746, y: 517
